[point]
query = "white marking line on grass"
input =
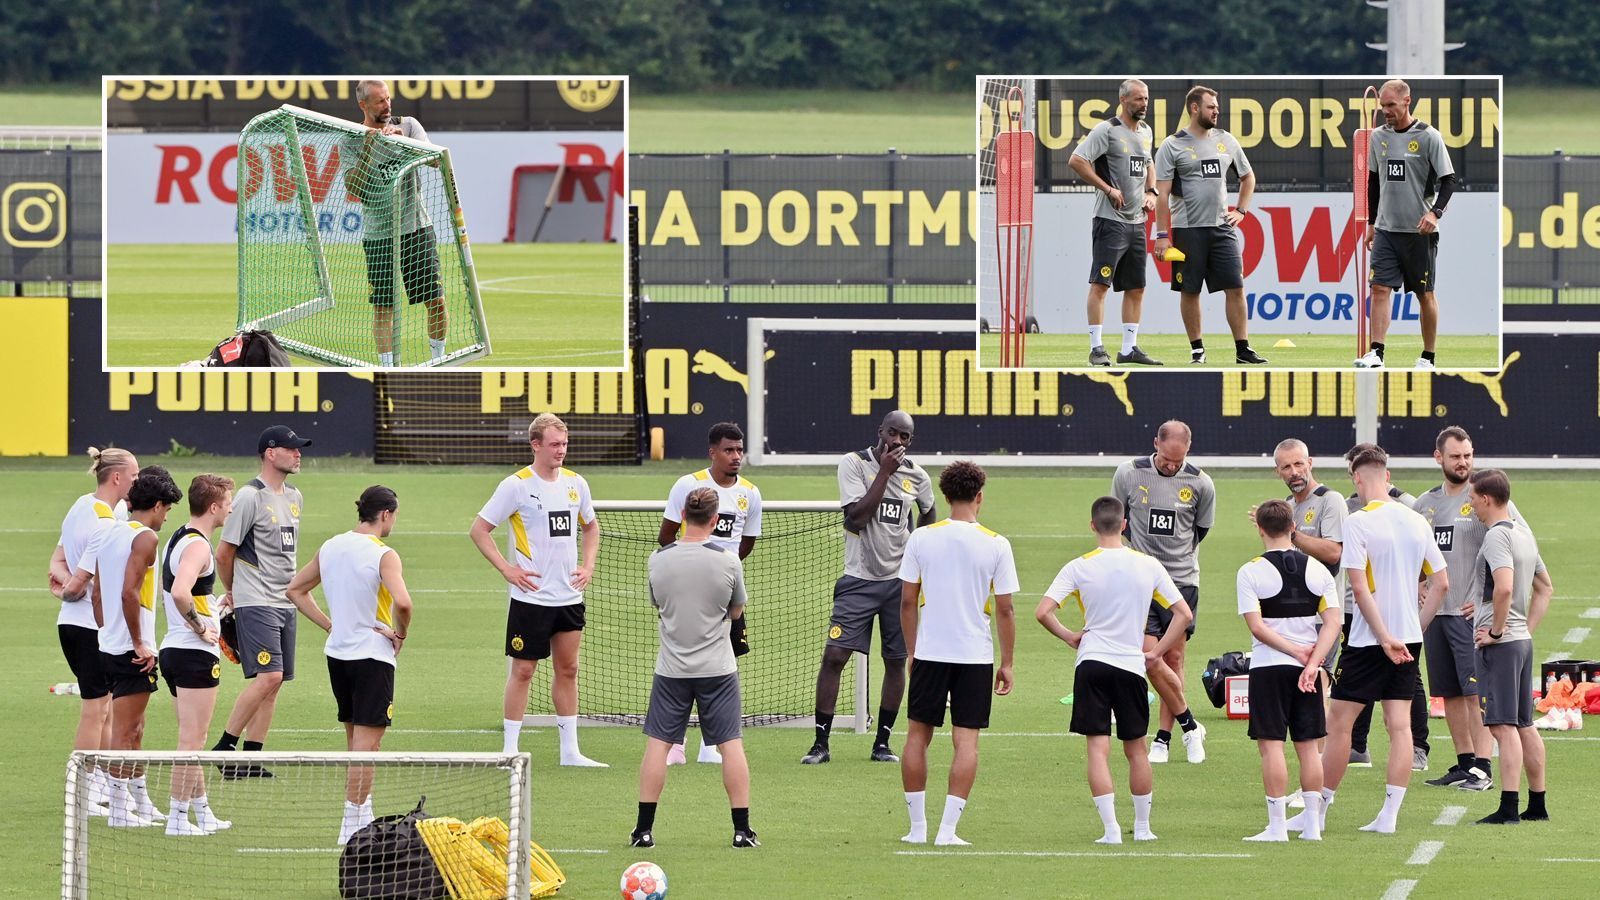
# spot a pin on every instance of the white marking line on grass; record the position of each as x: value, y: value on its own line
x: 1399, y: 889
x: 288, y: 849
x: 1074, y: 854
x: 1576, y: 635
x: 1425, y: 852
x: 570, y: 850
x: 1450, y: 815
x: 392, y: 730
x: 1565, y: 859
x: 1567, y: 737
x: 1592, y: 612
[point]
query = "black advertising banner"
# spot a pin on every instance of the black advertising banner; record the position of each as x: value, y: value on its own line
x: 446, y: 104
x: 214, y: 411
x: 50, y: 215
x: 1296, y: 132
x: 828, y: 390
x: 1552, y: 221
x: 886, y: 219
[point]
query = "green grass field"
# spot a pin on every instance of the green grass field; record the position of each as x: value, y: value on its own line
x: 547, y: 304
x: 813, y: 121
x: 830, y: 830
x: 1326, y: 351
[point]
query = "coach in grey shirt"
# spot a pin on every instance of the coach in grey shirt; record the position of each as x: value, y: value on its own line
x: 699, y: 589
x: 256, y: 560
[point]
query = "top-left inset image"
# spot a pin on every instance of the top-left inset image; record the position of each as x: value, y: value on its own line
x: 325, y: 222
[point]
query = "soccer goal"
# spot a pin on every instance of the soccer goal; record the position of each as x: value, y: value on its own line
x: 1000, y: 111
x: 348, y: 238
x: 281, y: 834
x: 789, y: 580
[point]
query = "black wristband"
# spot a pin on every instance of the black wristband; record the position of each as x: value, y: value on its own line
x: 1497, y: 636
x: 737, y: 636
x: 1438, y: 212
x: 1151, y: 191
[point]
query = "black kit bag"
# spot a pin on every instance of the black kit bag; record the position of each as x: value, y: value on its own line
x: 388, y: 860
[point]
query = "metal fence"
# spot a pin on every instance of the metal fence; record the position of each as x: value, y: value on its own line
x: 1552, y: 234
x: 50, y: 226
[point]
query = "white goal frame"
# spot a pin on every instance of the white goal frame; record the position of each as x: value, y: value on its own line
x: 857, y: 721
x: 76, y: 831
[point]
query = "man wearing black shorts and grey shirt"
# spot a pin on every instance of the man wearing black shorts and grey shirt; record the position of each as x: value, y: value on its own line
x: 1114, y: 157
x: 363, y: 157
x: 1170, y: 505
x: 256, y: 561
x: 1516, y: 595
x: 698, y: 587
x: 1409, y: 183
x: 1448, y: 643
x: 878, y: 487
x: 1192, y: 200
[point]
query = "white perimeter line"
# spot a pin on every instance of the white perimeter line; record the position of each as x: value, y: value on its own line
x: 1576, y: 635
x: 570, y: 850
x: 1074, y: 854
x: 396, y: 730
x: 1592, y: 612
x: 1450, y: 815
x: 1572, y: 860
x: 1566, y: 737
x: 288, y: 849
x: 1425, y: 853
x: 1399, y: 889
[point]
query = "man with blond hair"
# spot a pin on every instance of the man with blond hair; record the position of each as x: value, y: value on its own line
x: 547, y: 506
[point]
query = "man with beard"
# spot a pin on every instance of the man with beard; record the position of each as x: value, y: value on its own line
x: 1448, y: 643
x: 1319, y: 512
x: 1409, y: 182
x: 1192, y: 200
x: 1114, y: 157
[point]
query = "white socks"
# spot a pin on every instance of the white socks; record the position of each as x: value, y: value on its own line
x: 436, y: 347
x: 513, y: 731
x: 709, y: 753
x: 1393, y: 796
x: 356, y: 817
x: 1141, y: 817
x: 124, y: 812
x: 916, y: 807
x: 1130, y: 336
x: 953, y: 806
x: 1094, y: 336
x: 1277, y: 826
x: 205, y: 818
x: 141, y: 799
x: 1106, y: 806
x: 567, y: 728
x: 1298, y: 821
x: 386, y: 359
x: 1313, y: 821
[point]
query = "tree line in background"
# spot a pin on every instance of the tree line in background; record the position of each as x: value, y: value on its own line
x: 691, y: 45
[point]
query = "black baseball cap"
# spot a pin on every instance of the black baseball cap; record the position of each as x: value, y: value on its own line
x: 280, y: 436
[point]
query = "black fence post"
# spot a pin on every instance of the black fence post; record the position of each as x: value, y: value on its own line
x: 727, y: 270
x: 889, y: 283
x: 1559, y: 161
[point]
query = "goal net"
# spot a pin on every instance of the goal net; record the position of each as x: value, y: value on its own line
x: 353, y: 243
x: 279, y: 836
x: 995, y: 115
x: 789, y: 579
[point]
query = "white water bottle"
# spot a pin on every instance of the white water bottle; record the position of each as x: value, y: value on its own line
x: 64, y: 688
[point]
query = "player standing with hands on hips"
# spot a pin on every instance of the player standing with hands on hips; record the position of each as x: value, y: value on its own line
x: 877, y: 488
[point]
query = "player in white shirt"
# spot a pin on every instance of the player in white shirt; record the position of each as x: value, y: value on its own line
x: 368, y: 619
x: 955, y: 575
x: 546, y: 506
x: 1285, y: 597
x: 1388, y: 550
x: 735, y: 529
x: 190, y: 660
x: 1114, y: 586
x: 124, y: 606
x: 71, y: 571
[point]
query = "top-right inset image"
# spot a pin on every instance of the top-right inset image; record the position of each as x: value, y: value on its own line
x: 1192, y: 222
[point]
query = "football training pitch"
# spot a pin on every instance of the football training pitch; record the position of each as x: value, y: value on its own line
x: 547, y: 304
x: 832, y: 830
x: 1283, y: 351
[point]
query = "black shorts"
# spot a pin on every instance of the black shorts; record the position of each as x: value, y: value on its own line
x: 1212, y: 257
x: 717, y: 696
x: 856, y: 602
x: 1404, y: 260
x: 1279, y: 709
x: 363, y: 690
x: 188, y: 668
x: 1159, y: 617
x: 1367, y: 675
x: 266, y: 639
x: 530, y: 626
x: 419, y: 267
x: 126, y: 679
x: 81, y: 647
x: 967, y: 687
x: 1100, y: 690
x: 1448, y: 646
x: 1119, y: 255
x: 1506, y: 672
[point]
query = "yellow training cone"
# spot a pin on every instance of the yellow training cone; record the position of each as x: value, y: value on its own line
x: 1282, y: 343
